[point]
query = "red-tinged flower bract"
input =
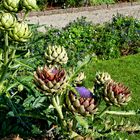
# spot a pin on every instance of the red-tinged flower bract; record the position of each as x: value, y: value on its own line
x: 50, y: 80
x: 86, y: 104
x: 116, y: 94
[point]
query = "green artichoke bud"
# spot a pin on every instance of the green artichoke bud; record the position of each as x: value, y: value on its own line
x: 56, y: 54
x: 116, y: 94
x: 50, y: 80
x: 102, y: 77
x: 79, y: 79
x: 7, y: 21
x: 21, y: 32
x: 11, y: 5
x: 85, y: 105
x: 20, y: 87
x: 30, y: 4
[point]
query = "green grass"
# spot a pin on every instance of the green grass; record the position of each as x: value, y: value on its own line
x: 127, y: 71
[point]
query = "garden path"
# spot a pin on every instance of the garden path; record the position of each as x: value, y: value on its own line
x: 60, y: 20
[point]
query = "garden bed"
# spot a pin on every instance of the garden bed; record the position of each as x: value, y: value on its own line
x: 79, y: 82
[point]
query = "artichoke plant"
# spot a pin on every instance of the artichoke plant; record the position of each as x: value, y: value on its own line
x: 21, y: 32
x: 11, y: 5
x: 29, y: 4
x: 56, y: 54
x: 7, y: 21
x: 86, y: 104
x: 116, y: 94
x: 50, y: 80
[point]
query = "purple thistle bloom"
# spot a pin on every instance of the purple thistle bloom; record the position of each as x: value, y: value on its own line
x: 84, y: 92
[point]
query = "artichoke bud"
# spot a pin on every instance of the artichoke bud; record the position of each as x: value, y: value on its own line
x: 20, y: 87
x: 86, y: 104
x: 102, y: 77
x: 30, y: 4
x: 7, y: 21
x: 50, y: 79
x: 21, y: 32
x: 56, y: 54
x: 116, y: 94
x: 79, y: 79
x: 11, y: 5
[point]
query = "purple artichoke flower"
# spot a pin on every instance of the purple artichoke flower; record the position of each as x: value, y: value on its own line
x: 84, y: 92
x: 85, y: 105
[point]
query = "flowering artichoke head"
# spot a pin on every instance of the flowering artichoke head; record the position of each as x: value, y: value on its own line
x: 50, y: 79
x: 85, y: 104
x: 116, y: 94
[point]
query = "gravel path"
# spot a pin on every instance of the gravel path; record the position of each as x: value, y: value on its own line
x: 96, y: 16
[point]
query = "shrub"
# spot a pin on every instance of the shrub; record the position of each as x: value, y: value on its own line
x: 77, y: 38
x: 111, y: 40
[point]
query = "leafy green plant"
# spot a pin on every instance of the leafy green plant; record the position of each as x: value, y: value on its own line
x: 111, y: 40
x: 41, y: 97
x: 15, y: 34
x: 78, y: 38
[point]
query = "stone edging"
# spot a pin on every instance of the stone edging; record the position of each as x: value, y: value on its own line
x: 80, y: 9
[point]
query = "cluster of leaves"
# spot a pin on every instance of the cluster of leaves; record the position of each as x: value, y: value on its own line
x: 111, y: 40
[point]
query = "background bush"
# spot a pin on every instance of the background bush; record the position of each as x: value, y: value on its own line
x: 111, y: 40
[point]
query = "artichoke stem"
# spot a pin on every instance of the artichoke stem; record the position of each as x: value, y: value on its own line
x: 124, y: 113
x: 103, y: 112
x: 4, y: 71
x: 73, y: 90
x: 59, y: 110
x: 12, y: 55
x: 6, y: 49
x: 5, y: 67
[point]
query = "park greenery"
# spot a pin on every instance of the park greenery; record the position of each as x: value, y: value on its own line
x: 79, y: 82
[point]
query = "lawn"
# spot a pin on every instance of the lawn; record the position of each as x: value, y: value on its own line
x: 127, y: 71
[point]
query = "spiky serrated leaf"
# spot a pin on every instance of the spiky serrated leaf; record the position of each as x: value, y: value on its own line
x: 28, y: 102
x: 38, y: 102
x: 82, y: 121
